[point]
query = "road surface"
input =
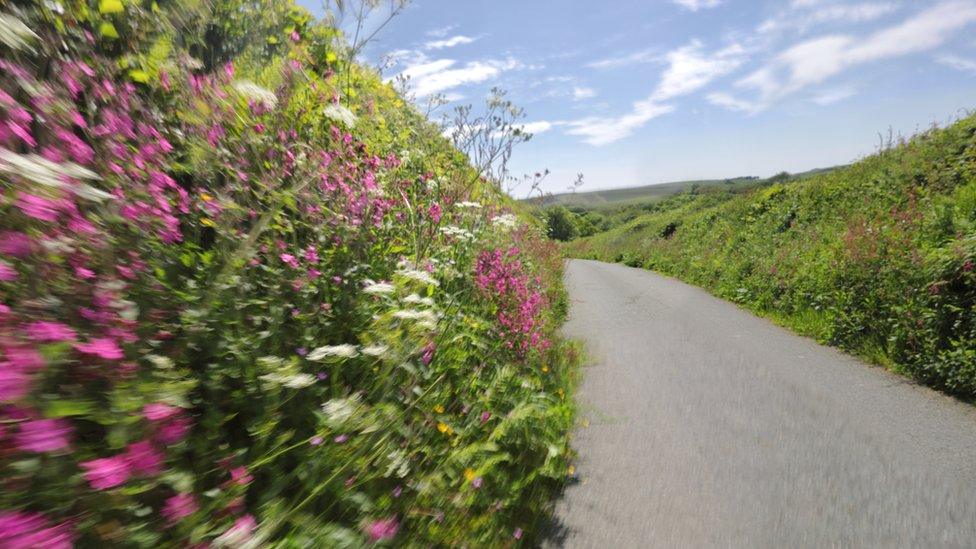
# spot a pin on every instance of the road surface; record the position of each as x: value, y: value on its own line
x: 705, y: 426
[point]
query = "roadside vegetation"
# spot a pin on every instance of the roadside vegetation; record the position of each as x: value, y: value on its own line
x: 878, y: 258
x: 251, y: 297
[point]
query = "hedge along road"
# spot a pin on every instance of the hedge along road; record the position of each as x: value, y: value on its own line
x: 703, y: 425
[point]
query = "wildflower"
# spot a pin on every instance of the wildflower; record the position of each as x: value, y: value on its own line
x: 15, y: 244
x: 14, y: 384
x: 299, y: 381
x: 469, y: 474
x: 397, y: 491
x: 15, y: 34
x: 457, y: 232
x: 38, y: 207
x: 158, y: 411
x: 50, y: 331
x: 485, y: 416
x: 174, y: 430
x: 340, y: 114
x: 340, y: 439
x: 477, y: 482
x: 434, y: 212
x: 517, y: 534
x: 253, y: 92
x: 289, y: 260
x: 143, y: 458
x: 106, y: 473
x: 471, y: 205
x: 375, y: 350
x: 444, y: 428
x: 428, y: 354
x: 7, y: 273
x: 179, y: 507
x: 415, y: 299
x: 381, y: 530
x: 420, y: 276
x: 345, y: 351
x: 378, y: 288
x: 504, y: 221
x: 27, y: 530
x: 104, y: 347
x: 41, y: 170
x: 315, y: 441
x: 240, y: 476
x: 340, y: 410
x: 439, y: 409
x: 43, y: 435
x: 238, y: 534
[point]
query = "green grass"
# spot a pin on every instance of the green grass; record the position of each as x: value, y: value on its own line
x: 876, y: 258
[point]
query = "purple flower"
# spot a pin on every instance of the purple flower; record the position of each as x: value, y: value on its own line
x: 50, y: 331
x: 14, y: 384
x: 106, y: 473
x: 477, y: 482
x: 485, y: 416
x: 434, y: 211
x: 238, y: 534
x: 30, y: 530
x: 174, y: 430
x: 179, y: 507
x: 289, y: 260
x: 23, y: 358
x: 7, y: 273
x: 428, y: 354
x: 144, y: 459
x: 383, y: 529
x: 517, y: 534
x: 43, y: 435
x: 397, y: 491
x: 158, y: 411
x: 340, y: 439
x: 240, y: 476
x: 315, y: 441
x: 38, y: 207
x: 15, y: 244
x: 104, y: 347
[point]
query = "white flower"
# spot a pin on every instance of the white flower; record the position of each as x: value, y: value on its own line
x: 50, y: 174
x: 472, y: 205
x: 256, y: 93
x: 377, y: 288
x: 415, y: 299
x: 457, y: 232
x: 375, y: 350
x: 340, y: 114
x: 504, y: 221
x: 14, y: 33
x: 340, y: 410
x: 419, y: 276
x: 345, y: 351
x: 399, y: 464
x: 427, y: 319
x: 296, y: 381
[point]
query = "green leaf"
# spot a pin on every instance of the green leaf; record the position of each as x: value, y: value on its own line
x: 107, y: 30
x: 67, y: 408
x: 106, y: 7
x: 138, y: 75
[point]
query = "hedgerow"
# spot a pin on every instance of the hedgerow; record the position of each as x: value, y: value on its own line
x: 249, y: 297
x: 878, y: 257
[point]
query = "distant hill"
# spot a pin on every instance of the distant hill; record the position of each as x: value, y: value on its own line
x: 653, y: 193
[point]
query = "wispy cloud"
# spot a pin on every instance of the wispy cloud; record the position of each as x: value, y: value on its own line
x: 430, y: 77
x: 815, y: 61
x: 448, y: 42
x: 441, y: 32
x: 695, y: 5
x: 689, y: 69
x: 805, y: 15
x: 959, y: 63
x: 829, y: 97
x: 635, y: 58
x: 580, y: 93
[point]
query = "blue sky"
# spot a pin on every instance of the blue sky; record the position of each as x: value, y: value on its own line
x: 636, y: 92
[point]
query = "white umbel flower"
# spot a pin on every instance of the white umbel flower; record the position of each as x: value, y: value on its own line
x: 457, y: 232
x: 375, y: 350
x: 378, y: 288
x: 504, y: 221
x: 340, y: 114
x: 466, y: 204
x: 256, y: 93
x: 343, y: 351
x: 415, y: 299
x: 340, y: 410
x: 419, y: 276
x: 15, y: 34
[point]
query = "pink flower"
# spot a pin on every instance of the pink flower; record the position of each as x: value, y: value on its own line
x: 240, y: 476
x: 289, y: 260
x: 477, y: 482
x: 485, y: 416
x: 43, y: 331
x: 340, y: 439
x: 517, y: 534
x: 38, y: 207
x: 32, y: 530
x: 104, y: 347
x: 158, y: 411
x: 15, y: 244
x: 14, y: 384
x: 143, y: 458
x: 434, y: 211
x: 43, y: 435
x: 315, y: 441
x: 106, y: 473
x: 239, y: 533
x: 7, y: 273
x: 175, y: 430
x: 22, y: 359
x: 311, y: 255
x: 428, y: 354
x: 179, y: 507
x: 383, y: 529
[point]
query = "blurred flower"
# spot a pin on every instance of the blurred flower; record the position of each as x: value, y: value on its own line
x: 50, y: 331
x: 7, y: 273
x: 241, y: 476
x: 472, y: 205
x: 340, y: 439
x: 377, y: 288
x: 504, y: 221
x: 517, y: 534
x: 434, y: 212
x: 158, y: 411
x: 381, y: 530
x: 106, y: 473
x: 43, y: 435
x: 104, y: 347
x: 340, y: 114
x: 15, y: 34
x: 174, y: 430
x: 477, y: 482
x: 32, y: 530
x: 144, y: 459
x: 179, y: 507
x: 344, y: 350
x: 420, y: 276
x: 256, y: 93
x: 15, y: 243
x: 375, y: 350
x: 238, y: 534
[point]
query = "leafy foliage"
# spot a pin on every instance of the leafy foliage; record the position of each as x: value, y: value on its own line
x: 241, y: 301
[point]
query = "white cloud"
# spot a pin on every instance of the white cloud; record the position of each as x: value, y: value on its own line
x: 441, y: 32
x: 814, y: 61
x: 643, y: 56
x: 583, y: 93
x: 958, y: 63
x: 695, y: 5
x: 428, y: 78
x: 829, y: 97
x: 806, y: 14
x: 449, y: 42
x: 732, y: 103
x: 537, y: 127
x: 688, y: 69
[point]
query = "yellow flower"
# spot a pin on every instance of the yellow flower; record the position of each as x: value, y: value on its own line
x: 206, y: 197
x: 469, y: 474
x: 439, y: 409
x: 444, y: 428
x: 571, y: 470
x: 545, y: 368
x: 207, y: 222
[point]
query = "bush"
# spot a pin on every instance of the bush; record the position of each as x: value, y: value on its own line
x: 243, y: 298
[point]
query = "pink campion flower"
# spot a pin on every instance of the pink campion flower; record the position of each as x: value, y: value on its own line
x: 174, y: 430
x: 485, y: 416
x: 289, y: 260
x: 105, y: 473
x: 158, y: 411
x: 45, y: 331
x: 22, y: 358
x: 238, y: 534
x: 43, y: 435
x: 517, y: 534
x: 32, y: 530
x: 7, y: 273
x: 104, y: 347
x: 434, y: 211
x: 477, y: 482
x: 15, y: 243
x: 14, y: 384
x: 240, y: 476
x: 313, y: 274
x: 179, y: 507
x: 143, y: 458
x: 428, y: 354
x: 340, y: 439
x: 383, y: 529
x: 311, y: 254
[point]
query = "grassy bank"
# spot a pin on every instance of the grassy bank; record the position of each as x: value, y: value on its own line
x: 877, y: 258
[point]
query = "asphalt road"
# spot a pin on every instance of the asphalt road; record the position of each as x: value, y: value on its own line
x: 705, y: 426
